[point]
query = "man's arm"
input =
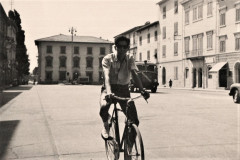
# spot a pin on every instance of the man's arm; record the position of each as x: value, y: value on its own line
x: 136, y: 79
x: 107, y: 81
x: 106, y: 71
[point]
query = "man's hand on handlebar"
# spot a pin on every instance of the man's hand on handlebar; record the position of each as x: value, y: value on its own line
x: 145, y: 94
x: 108, y: 97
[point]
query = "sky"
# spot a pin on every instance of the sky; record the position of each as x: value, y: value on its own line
x: 98, y: 18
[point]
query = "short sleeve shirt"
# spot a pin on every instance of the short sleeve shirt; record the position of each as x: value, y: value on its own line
x: 119, y: 73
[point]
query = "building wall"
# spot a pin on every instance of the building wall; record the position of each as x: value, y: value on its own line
x: 69, y: 59
x: 148, y: 46
x: 170, y: 60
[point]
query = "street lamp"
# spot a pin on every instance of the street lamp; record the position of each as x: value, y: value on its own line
x: 72, y: 31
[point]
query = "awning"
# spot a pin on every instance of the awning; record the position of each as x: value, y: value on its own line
x: 217, y: 67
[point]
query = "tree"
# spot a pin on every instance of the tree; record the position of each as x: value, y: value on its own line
x: 22, y: 58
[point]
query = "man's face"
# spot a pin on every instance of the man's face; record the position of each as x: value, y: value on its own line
x: 122, y: 49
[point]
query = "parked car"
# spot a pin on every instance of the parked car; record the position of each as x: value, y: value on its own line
x: 148, y: 73
x: 234, y: 92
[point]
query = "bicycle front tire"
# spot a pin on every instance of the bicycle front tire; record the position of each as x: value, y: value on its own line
x: 133, y: 144
x: 111, y: 145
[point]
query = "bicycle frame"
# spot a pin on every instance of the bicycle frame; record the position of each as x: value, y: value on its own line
x: 127, y: 124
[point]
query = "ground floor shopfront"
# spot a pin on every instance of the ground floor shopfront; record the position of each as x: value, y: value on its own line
x: 207, y: 72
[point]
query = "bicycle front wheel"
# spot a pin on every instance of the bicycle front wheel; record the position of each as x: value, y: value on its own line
x: 133, y: 144
x: 111, y: 145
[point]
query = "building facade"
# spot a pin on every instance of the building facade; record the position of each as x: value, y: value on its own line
x: 208, y: 43
x: 148, y: 42
x: 171, y: 64
x: 66, y: 58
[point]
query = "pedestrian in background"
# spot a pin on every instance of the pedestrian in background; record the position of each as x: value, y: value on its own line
x: 170, y: 83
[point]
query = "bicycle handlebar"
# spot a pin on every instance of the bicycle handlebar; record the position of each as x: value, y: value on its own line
x: 125, y: 99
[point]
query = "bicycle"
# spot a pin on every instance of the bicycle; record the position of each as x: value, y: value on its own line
x: 131, y: 138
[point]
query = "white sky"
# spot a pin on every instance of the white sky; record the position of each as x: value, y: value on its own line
x: 99, y: 18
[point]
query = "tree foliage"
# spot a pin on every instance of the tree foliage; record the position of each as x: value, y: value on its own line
x: 22, y: 57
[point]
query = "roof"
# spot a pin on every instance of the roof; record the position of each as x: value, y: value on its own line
x: 68, y: 38
x: 129, y: 31
x: 147, y: 26
x: 161, y: 2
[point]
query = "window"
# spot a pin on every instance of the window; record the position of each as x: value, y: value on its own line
x: 237, y: 41
x: 164, y: 12
x: 76, y: 50
x: 76, y: 61
x: 164, y: 51
x: 175, y: 48
x: 209, y: 40
x: 195, y: 13
x: 90, y: 76
x: 222, y: 19
x: 176, y: 6
x: 164, y: 32
x: 187, y: 17
x: 222, y: 45
x: 186, y: 73
x: 200, y: 44
x: 148, y: 55
x: 89, y: 62
x: 140, y: 57
x: 200, y: 11
x: 237, y: 14
x: 49, y: 61
x: 48, y: 75
x: 62, y: 60
x: 148, y: 36
x: 140, y: 40
x: 100, y: 77
x: 175, y: 28
x: 62, y: 75
x: 49, y: 49
x: 102, y: 50
x: 63, y: 49
x: 194, y: 44
x: 89, y: 50
x: 156, y: 54
x: 100, y: 62
x: 186, y: 44
x: 209, y: 8
x: 134, y: 41
x: 175, y: 73
x: 155, y: 35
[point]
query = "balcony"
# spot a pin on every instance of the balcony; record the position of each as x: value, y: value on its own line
x: 194, y: 54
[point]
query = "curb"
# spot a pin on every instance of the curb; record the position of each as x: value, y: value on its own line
x: 196, y: 89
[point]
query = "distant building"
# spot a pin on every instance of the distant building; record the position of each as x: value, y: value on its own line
x: 61, y: 59
x: 170, y: 18
x: 8, y: 31
x: 148, y: 42
x: 132, y: 35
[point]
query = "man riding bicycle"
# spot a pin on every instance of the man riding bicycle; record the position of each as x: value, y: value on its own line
x: 117, y: 68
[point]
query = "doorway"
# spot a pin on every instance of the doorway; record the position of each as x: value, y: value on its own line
x: 194, y: 78
x: 200, y: 77
x: 163, y: 76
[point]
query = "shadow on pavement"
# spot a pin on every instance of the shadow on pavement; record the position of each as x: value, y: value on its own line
x: 5, y: 97
x: 23, y: 87
x: 7, y: 129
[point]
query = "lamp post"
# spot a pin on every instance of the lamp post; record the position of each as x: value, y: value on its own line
x: 72, y: 31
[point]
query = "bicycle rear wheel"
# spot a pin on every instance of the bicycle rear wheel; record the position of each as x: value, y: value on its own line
x: 133, y: 144
x: 111, y: 145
